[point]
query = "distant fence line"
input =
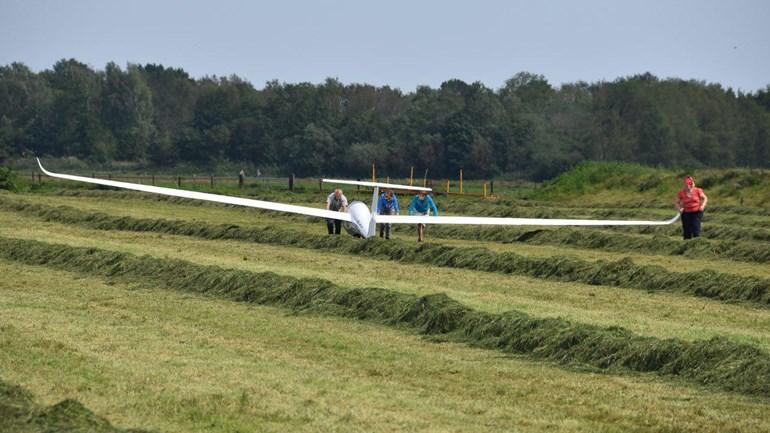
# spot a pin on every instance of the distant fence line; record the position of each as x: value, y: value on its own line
x: 290, y: 183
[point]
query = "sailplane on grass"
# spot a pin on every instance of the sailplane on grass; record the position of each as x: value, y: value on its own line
x: 359, y: 220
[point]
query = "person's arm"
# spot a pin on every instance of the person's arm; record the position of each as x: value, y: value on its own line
x: 679, y: 204
x: 433, y: 206
x: 381, y: 204
x: 344, y: 203
x: 704, y: 200
x: 328, y: 201
x: 395, y: 205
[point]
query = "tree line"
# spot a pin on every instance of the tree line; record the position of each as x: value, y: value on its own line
x: 163, y: 116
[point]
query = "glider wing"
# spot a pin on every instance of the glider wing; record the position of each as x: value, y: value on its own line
x: 217, y: 198
x: 399, y: 219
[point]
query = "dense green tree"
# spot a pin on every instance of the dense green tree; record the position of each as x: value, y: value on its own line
x: 526, y: 128
x: 127, y: 110
x: 75, y: 126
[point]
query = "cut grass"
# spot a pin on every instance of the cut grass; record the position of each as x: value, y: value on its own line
x: 622, y: 273
x: 182, y: 363
x: 715, y: 362
x: 153, y: 209
x: 661, y: 315
x: 20, y: 414
x: 453, y: 205
x: 612, y: 241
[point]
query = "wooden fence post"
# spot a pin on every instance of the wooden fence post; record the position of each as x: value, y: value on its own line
x: 291, y: 182
x: 411, y: 176
x: 320, y: 185
x: 212, y: 182
x: 461, y: 181
x: 179, y: 181
x: 491, y: 186
x: 485, y: 190
x: 39, y: 179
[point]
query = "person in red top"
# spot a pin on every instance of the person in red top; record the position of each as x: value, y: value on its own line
x: 691, y: 202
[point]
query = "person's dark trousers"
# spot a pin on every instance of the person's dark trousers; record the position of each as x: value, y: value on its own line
x: 334, y: 226
x: 386, y: 228
x: 691, y: 224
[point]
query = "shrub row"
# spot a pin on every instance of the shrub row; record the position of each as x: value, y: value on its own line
x: 717, y: 361
x: 621, y: 273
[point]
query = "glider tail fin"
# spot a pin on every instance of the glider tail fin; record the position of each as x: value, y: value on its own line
x: 376, y: 184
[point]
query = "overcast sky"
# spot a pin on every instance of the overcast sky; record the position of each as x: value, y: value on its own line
x: 401, y: 43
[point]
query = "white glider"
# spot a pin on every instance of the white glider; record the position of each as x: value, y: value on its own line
x: 359, y: 220
x: 226, y: 199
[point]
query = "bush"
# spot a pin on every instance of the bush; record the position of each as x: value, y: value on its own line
x: 8, y: 179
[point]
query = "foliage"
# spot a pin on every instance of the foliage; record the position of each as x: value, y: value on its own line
x: 527, y: 127
x: 8, y: 180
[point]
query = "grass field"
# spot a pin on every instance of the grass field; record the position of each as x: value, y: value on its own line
x: 113, y: 326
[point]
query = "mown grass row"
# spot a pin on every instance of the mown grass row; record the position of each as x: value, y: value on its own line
x: 716, y: 226
x: 20, y: 414
x: 641, y: 204
x: 621, y: 273
x: 723, y: 232
x: 615, y: 242
x: 718, y: 362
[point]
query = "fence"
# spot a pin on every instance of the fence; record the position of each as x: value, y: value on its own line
x: 449, y: 187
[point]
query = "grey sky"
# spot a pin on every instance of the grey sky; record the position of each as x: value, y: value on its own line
x: 401, y: 43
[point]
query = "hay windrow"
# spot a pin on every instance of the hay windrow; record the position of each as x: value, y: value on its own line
x: 717, y: 227
x: 20, y: 414
x: 615, y: 242
x: 722, y: 215
x: 716, y: 362
x: 622, y: 273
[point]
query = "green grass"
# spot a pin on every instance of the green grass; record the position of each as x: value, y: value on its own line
x: 144, y: 357
x: 20, y: 414
x: 181, y: 363
x: 609, y: 182
x: 715, y: 362
x: 249, y: 218
x: 661, y: 315
x: 621, y: 273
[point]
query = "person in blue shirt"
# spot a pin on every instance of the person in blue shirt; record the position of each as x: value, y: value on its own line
x: 388, y: 205
x: 422, y: 204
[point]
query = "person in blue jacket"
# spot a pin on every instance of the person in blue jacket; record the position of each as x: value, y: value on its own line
x: 422, y: 204
x: 387, y: 205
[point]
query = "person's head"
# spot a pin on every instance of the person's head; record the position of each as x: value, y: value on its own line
x: 422, y: 195
x: 689, y: 182
x: 338, y: 193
